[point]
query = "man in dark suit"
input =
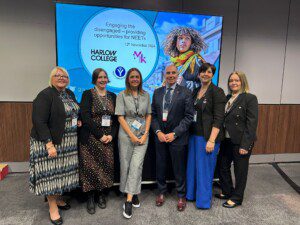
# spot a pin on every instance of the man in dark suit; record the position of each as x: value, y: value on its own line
x: 172, y: 114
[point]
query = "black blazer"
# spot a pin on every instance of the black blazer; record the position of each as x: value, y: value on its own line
x: 49, y: 116
x: 88, y: 126
x: 241, y: 120
x: 213, y: 110
x: 180, y: 113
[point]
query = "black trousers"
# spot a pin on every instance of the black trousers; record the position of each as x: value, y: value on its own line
x: 217, y: 169
x: 178, y: 157
x: 229, y: 153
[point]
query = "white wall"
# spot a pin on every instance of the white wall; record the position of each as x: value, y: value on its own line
x: 261, y: 43
x: 261, y: 46
x: 27, y: 48
x: 291, y: 79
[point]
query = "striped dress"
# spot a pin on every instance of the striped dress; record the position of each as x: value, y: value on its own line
x: 54, y: 176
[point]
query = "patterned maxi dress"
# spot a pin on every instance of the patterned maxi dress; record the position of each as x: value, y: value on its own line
x: 51, y: 176
x: 97, y: 158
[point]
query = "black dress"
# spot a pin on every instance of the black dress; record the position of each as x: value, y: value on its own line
x: 96, y: 159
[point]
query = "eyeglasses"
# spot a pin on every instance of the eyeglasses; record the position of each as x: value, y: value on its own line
x: 171, y: 72
x: 61, y: 76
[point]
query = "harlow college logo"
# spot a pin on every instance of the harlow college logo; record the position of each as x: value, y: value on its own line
x: 104, y: 55
x: 139, y: 56
x: 120, y: 72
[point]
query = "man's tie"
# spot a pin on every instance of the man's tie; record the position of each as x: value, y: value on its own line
x: 167, y: 99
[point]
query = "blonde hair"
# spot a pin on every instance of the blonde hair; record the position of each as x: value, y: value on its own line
x: 243, y: 79
x: 54, y: 71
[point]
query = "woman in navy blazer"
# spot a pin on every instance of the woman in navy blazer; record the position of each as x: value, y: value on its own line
x: 241, y: 116
x: 206, y: 133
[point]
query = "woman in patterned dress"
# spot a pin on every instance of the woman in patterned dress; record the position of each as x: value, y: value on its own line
x: 53, y: 143
x: 99, y: 128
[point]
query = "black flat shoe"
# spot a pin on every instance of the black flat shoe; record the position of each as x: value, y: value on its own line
x: 221, y: 196
x: 102, y: 202
x: 90, y: 206
x: 64, y: 207
x: 56, y: 222
x: 227, y: 205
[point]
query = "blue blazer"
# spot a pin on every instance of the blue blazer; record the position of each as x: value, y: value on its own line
x: 180, y: 114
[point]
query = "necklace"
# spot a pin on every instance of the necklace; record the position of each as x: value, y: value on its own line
x: 102, y: 98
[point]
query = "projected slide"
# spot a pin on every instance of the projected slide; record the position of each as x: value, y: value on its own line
x: 90, y: 37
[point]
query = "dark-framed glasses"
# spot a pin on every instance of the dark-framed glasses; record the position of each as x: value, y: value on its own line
x: 61, y: 76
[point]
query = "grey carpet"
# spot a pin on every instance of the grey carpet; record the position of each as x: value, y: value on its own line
x: 292, y: 170
x: 268, y: 200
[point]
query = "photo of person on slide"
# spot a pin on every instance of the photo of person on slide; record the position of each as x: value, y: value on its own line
x: 183, y: 45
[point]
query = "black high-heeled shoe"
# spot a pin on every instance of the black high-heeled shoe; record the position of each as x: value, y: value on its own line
x: 221, y: 196
x: 64, y: 207
x: 227, y: 205
x: 56, y: 222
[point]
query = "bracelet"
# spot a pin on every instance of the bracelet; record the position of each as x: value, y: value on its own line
x: 211, y: 141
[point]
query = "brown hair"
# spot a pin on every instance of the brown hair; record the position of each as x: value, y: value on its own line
x: 96, y: 73
x: 128, y: 88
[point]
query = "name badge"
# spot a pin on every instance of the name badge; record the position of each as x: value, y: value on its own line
x: 165, y: 116
x: 195, y: 116
x: 74, y: 122
x: 136, y: 124
x: 105, y: 121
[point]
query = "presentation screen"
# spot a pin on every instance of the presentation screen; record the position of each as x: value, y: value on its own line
x: 117, y: 39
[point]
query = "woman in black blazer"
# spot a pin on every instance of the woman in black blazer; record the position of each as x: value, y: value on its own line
x: 241, y: 116
x: 206, y: 133
x: 53, y: 143
x: 99, y: 129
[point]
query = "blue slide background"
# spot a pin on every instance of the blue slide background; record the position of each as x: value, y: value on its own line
x: 71, y: 19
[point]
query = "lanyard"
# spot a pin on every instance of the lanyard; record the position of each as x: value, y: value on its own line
x: 136, y: 102
x: 103, y: 103
x: 198, y: 100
